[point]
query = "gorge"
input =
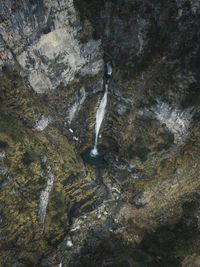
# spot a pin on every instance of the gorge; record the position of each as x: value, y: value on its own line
x: 99, y: 133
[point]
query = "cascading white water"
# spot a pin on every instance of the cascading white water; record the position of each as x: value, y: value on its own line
x: 99, y: 118
x: 109, y: 69
x: 45, y: 194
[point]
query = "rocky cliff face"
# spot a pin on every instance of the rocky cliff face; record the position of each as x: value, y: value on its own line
x: 43, y: 40
x: 127, y: 207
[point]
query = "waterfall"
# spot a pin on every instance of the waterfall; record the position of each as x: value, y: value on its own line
x: 99, y: 118
x: 45, y: 194
x: 109, y: 69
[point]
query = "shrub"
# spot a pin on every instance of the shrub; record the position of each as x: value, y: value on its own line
x: 11, y: 126
x: 3, y: 145
x: 29, y: 157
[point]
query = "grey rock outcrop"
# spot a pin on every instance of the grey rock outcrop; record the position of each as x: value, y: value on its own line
x: 42, y: 38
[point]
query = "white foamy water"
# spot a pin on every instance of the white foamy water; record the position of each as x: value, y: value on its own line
x: 44, y: 196
x: 69, y: 243
x: 109, y: 68
x: 99, y: 118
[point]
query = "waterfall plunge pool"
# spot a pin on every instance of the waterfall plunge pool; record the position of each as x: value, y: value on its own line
x: 97, y: 160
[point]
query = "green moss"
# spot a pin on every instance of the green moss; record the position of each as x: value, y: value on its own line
x: 59, y: 216
x: 124, y: 173
x: 30, y: 156
x: 21, y: 107
x: 183, y: 248
x: 163, y: 163
x: 165, y: 235
x: 189, y: 207
x: 11, y: 126
x: 3, y: 145
x: 7, y: 162
x: 148, y: 122
x: 137, y: 151
x: 149, y: 168
x: 43, y: 166
x: 166, y: 139
x: 161, y: 147
x: 145, y: 138
x: 2, y: 179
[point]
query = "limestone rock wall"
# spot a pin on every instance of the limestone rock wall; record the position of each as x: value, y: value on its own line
x: 42, y: 38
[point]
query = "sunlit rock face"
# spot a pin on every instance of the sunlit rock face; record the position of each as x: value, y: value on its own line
x: 43, y: 39
x: 75, y: 107
x: 42, y: 123
x: 176, y: 120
